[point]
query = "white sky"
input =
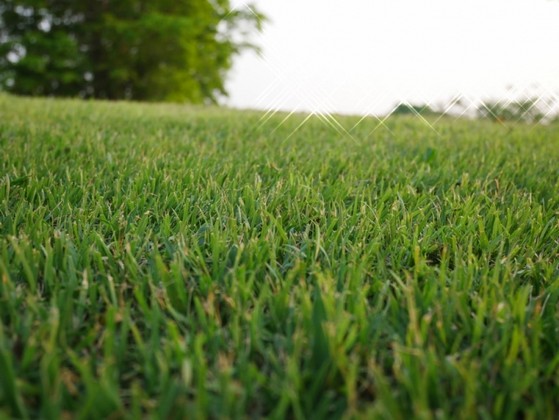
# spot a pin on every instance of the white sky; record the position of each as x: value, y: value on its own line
x: 361, y: 56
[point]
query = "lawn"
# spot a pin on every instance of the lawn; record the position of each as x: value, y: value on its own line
x: 176, y: 261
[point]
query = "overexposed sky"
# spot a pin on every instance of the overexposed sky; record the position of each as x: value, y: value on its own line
x: 363, y: 56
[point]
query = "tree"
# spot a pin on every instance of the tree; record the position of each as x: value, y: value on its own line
x: 409, y: 109
x: 530, y: 110
x: 164, y: 50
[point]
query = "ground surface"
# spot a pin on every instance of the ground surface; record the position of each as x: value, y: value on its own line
x: 180, y: 261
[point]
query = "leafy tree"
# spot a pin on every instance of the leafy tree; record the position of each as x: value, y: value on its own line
x: 164, y: 50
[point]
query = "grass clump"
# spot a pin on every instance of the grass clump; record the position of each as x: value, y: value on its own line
x: 171, y: 261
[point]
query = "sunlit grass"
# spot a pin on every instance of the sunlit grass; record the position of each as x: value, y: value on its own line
x: 188, y: 262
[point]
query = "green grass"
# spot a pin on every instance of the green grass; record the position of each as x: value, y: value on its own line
x: 171, y: 261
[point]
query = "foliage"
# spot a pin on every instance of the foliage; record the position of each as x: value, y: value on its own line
x: 525, y: 110
x: 409, y: 109
x: 162, y: 50
x: 164, y: 261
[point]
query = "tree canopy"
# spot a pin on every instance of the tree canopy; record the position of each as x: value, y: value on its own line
x: 161, y: 50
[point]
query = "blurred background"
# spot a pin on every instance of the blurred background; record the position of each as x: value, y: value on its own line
x: 492, y: 58
x: 370, y: 56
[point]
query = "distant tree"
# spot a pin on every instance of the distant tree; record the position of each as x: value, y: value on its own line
x: 164, y: 50
x: 409, y: 109
x: 531, y: 110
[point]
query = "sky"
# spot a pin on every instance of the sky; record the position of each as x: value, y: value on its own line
x: 366, y: 56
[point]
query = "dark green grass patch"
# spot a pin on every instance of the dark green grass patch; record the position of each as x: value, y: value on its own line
x: 172, y: 261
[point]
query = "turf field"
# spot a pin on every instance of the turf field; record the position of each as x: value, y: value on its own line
x: 186, y: 262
